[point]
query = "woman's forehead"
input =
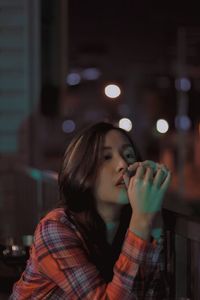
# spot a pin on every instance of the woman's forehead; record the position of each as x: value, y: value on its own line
x: 114, y: 137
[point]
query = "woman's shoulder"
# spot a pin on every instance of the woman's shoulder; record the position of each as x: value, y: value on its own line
x: 56, y: 236
x: 54, y: 226
x: 54, y: 214
x: 58, y: 215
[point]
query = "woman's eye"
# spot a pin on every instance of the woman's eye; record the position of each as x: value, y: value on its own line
x: 107, y: 157
x: 130, y: 156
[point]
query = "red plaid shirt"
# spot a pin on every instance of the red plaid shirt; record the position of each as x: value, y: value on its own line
x: 59, y: 266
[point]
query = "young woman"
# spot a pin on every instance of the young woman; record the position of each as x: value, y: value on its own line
x: 101, y: 242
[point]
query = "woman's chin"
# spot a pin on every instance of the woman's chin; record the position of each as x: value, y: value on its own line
x: 123, y: 196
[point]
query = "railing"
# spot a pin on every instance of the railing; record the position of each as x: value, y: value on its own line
x: 36, y: 193
x: 46, y: 187
x: 183, y: 255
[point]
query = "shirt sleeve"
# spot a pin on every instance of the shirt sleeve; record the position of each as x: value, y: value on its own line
x: 62, y: 259
x: 156, y: 283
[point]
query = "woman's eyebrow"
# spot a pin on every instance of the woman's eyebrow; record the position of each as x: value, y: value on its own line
x: 123, y: 147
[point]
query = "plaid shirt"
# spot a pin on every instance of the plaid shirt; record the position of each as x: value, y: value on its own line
x: 59, y: 266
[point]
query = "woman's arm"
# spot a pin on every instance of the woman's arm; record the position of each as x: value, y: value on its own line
x: 62, y: 259
x: 146, y: 191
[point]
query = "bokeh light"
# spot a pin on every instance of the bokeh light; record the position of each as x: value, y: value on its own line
x: 68, y: 126
x: 73, y: 78
x: 162, y: 126
x: 183, y: 84
x: 125, y: 124
x: 112, y: 91
x: 91, y: 74
x: 182, y: 122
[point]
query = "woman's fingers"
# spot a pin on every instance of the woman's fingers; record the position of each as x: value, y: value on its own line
x: 148, y: 178
x: 130, y: 172
x: 126, y: 179
x: 149, y: 172
x: 139, y: 176
x: 160, y: 176
x: 151, y: 164
x: 140, y: 172
x: 147, y: 187
x: 166, y: 182
x: 132, y: 169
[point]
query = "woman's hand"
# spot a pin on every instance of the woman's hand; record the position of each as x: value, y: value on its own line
x: 146, y: 192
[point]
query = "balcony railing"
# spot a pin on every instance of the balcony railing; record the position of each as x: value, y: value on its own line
x: 182, y: 255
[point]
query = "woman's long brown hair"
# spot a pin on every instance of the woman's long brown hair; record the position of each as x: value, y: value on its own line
x: 77, y: 178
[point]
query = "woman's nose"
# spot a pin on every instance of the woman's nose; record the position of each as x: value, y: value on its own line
x: 121, y: 164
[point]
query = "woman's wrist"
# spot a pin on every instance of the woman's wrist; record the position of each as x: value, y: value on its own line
x: 157, y: 233
x: 144, y: 235
x: 140, y: 227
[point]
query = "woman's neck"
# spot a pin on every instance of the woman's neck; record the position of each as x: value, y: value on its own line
x: 111, y: 230
x: 110, y: 212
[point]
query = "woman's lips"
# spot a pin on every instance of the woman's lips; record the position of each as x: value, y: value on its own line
x: 120, y: 183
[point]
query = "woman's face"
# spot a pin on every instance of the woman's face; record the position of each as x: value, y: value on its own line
x: 117, y: 155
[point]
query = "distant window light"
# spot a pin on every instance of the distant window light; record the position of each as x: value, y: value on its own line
x: 73, y: 79
x: 91, y: 74
x: 125, y: 124
x: 162, y: 126
x: 183, y: 84
x: 68, y: 126
x: 182, y: 122
x: 112, y: 91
